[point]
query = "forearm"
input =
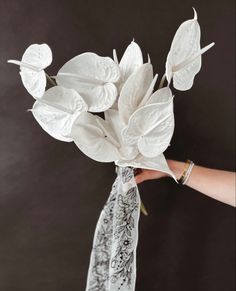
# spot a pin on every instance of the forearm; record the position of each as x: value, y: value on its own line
x: 217, y: 184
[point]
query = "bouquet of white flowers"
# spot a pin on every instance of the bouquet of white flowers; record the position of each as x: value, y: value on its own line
x: 137, y: 127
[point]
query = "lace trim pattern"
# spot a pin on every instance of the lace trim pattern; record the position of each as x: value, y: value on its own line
x: 113, y: 257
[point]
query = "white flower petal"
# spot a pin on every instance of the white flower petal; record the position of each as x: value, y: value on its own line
x: 149, y: 91
x: 162, y: 95
x: 35, y: 59
x: 34, y: 82
x: 131, y: 60
x: 93, y: 137
x: 134, y: 91
x: 38, y: 55
x: 93, y: 77
x: 112, y: 117
x: 185, y: 44
x: 57, y: 110
x: 151, y: 128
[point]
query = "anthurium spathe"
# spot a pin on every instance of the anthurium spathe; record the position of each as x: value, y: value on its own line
x: 184, y: 58
x: 163, y: 95
x: 131, y: 60
x: 151, y: 128
x: 134, y: 91
x: 57, y: 110
x: 94, y: 137
x: 93, y: 77
x: 35, y: 59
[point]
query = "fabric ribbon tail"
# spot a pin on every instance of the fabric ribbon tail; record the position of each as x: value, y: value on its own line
x: 113, y: 258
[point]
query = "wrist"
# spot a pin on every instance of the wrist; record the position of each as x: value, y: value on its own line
x: 176, y: 167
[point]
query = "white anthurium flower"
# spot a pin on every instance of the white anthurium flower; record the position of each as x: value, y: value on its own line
x: 135, y: 91
x: 94, y: 137
x: 113, y: 118
x: 131, y: 60
x: 157, y: 163
x: 151, y: 127
x: 93, y: 77
x: 57, y: 110
x: 184, y: 58
x: 35, y: 59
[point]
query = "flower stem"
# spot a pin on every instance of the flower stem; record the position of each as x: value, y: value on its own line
x: 162, y: 81
x: 53, y: 83
x: 143, y: 209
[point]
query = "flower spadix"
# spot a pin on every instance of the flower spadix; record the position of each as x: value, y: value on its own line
x: 184, y: 58
x: 151, y: 126
x: 35, y: 59
x: 94, y: 137
x: 57, y: 110
x: 93, y: 77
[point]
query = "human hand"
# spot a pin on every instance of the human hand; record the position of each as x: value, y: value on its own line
x: 144, y: 174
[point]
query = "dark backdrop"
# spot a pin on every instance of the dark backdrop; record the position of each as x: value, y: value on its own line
x: 51, y: 194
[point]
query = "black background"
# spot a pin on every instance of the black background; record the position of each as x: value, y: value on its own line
x: 51, y: 194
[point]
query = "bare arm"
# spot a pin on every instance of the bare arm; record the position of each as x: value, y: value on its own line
x: 217, y: 184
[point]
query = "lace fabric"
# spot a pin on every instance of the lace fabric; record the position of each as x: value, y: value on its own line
x: 113, y: 257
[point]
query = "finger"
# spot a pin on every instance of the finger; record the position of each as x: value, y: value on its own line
x: 139, y: 178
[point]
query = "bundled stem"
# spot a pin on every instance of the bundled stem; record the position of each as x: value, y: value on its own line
x: 50, y: 80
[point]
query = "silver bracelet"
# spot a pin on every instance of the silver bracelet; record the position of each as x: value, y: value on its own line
x: 188, y: 173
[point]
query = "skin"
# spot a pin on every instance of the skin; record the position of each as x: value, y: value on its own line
x: 217, y: 184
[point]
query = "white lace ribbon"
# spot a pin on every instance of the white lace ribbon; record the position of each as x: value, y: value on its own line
x: 113, y: 257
